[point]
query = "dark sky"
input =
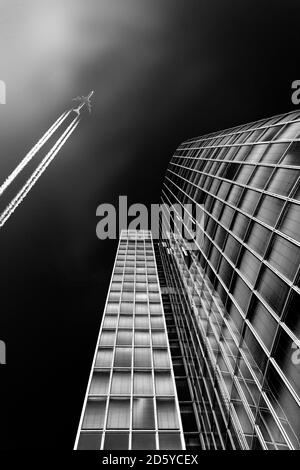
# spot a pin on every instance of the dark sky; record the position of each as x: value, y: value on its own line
x: 163, y: 71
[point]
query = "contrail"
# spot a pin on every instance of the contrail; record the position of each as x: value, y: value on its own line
x: 40, y: 169
x: 33, y: 152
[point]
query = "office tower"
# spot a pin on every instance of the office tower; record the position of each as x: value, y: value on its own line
x: 234, y: 292
x: 218, y: 366
x: 131, y: 400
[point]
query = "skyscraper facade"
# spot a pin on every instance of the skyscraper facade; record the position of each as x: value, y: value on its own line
x: 235, y: 293
x: 131, y: 400
x: 199, y: 342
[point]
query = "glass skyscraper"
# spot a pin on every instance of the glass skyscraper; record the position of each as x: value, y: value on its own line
x: 131, y: 401
x: 225, y: 312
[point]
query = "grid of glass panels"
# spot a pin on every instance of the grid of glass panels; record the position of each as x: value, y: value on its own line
x: 243, y: 281
x: 131, y: 401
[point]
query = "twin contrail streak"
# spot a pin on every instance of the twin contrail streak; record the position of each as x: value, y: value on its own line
x: 16, y: 201
x: 33, y: 152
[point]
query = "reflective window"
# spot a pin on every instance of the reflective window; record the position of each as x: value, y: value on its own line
x: 142, y: 357
x: 94, y: 414
x: 292, y: 156
x: 244, y: 174
x: 273, y: 290
x: 143, y: 441
x: 241, y: 293
x: 269, y: 210
x: 123, y: 357
x: 263, y: 322
x: 166, y: 414
x: 159, y: 338
x: 291, y: 222
x: 240, y: 225
x: 274, y: 153
x: 249, y: 201
x: 104, y: 357
x: 107, y: 338
x: 284, y: 256
x: 89, y: 441
x: 161, y: 358
x: 249, y: 265
x: 126, y: 321
x: 141, y: 321
x: 292, y: 317
x: 163, y: 383
x: 258, y: 238
x: 110, y: 321
x: 121, y: 382
x: 142, y: 383
x: 141, y: 338
x: 116, y: 441
x: 124, y: 337
x: 99, y: 384
x: 169, y: 441
x: 261, y: 176
x: 283, y: 181
x: 232, y: 248
x: 118, y: 413
x: 143, y: 413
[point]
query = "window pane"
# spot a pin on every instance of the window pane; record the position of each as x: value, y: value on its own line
x: 241, y: 293
x: 292, y: 157
x: 159, y: 338
x: 143, y: 413
x: 274, y: 153
x: 232, y: 248
x: 285, y: 257
x: 142, y: 357
x: 249, y: 265
x: 123, y: 357
x: 283, y: 181
x: 126, y: 321
x: 169, y: 441
x: 167, y: 414
x: 261, y: 176
x: 142, y: 383
x: 161, y: 358
x: 142, y: 338
x: 118, y: 413
x: 164, y: 383
x: 292, y: 317
x: 258, y: 238
x: 99, y: 384
x: 121, y: 382
x: 157, y: 322
x: 291, y: 222
x: 141, y: 308
x: 107, y: 338
x: 143, y: 441
x: 269, y: 210
x: 104, y: 357
x: 116, y: 441
x: 110, y: 321
x: 273, y: 290
x: 263, y: 322
x: 141, y: 321
x: 124, y: 337
x: 89, y: 441
x: 94, y: 414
